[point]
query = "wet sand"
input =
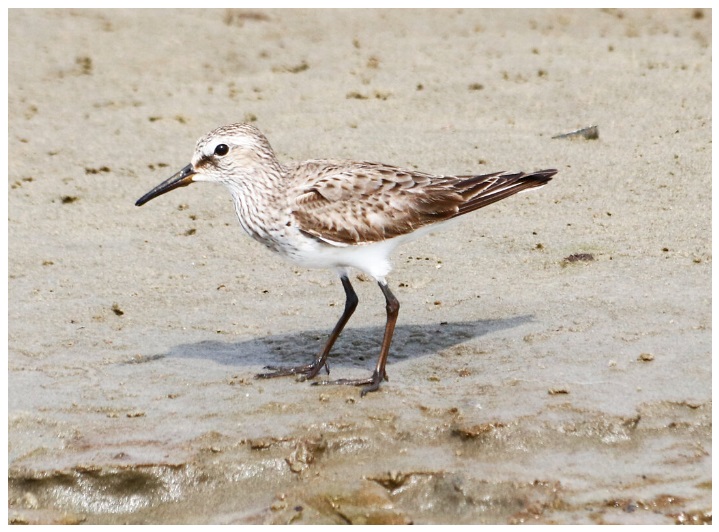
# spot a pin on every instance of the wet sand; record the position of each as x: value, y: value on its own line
x: 552, y: 362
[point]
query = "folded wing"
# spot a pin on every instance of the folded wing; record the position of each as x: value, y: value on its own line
x: 355, y: 203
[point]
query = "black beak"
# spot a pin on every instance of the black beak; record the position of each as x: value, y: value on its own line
x: 180, y: 179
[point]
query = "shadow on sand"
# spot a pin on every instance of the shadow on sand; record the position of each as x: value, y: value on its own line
x: 355, y: 346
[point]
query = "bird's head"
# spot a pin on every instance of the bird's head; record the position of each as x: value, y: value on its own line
x: 227, y: 153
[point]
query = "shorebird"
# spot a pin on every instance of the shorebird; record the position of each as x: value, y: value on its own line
x: 336, y: 214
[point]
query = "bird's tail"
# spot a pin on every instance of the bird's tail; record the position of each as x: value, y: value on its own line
x: 482, y: 190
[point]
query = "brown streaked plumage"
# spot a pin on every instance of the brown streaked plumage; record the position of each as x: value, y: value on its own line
x: 337, y: 214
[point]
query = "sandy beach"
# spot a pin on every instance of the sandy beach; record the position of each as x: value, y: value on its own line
x: 552, y: 359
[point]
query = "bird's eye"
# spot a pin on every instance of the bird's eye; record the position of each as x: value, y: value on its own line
x: 222, y: 149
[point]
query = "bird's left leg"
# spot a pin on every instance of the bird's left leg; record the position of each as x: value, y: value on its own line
x: 309, y: 371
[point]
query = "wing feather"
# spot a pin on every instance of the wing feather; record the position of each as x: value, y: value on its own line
x: 355, y: 203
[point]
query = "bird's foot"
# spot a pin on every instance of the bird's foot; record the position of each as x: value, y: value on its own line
x: 308, y: 371
x: 370, y: 385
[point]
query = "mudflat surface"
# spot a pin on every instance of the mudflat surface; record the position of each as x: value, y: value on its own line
x: 552, y: 362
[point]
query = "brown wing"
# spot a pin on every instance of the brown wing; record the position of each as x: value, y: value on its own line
x: 353, y: 203
x: 482, y: 190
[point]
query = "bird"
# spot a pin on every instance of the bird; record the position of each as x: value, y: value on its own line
x: 337, y: 214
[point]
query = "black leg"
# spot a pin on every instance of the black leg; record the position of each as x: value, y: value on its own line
x: 372, y: 383
x: 309, y: 371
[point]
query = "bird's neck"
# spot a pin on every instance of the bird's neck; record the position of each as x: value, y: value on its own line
x: 255, y: 195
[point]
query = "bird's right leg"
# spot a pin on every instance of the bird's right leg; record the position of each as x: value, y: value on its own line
x: 309, y: 371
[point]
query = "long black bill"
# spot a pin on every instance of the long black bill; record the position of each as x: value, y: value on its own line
x: 180, y: 179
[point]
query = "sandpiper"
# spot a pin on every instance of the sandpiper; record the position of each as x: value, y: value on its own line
x: 336, y: 214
